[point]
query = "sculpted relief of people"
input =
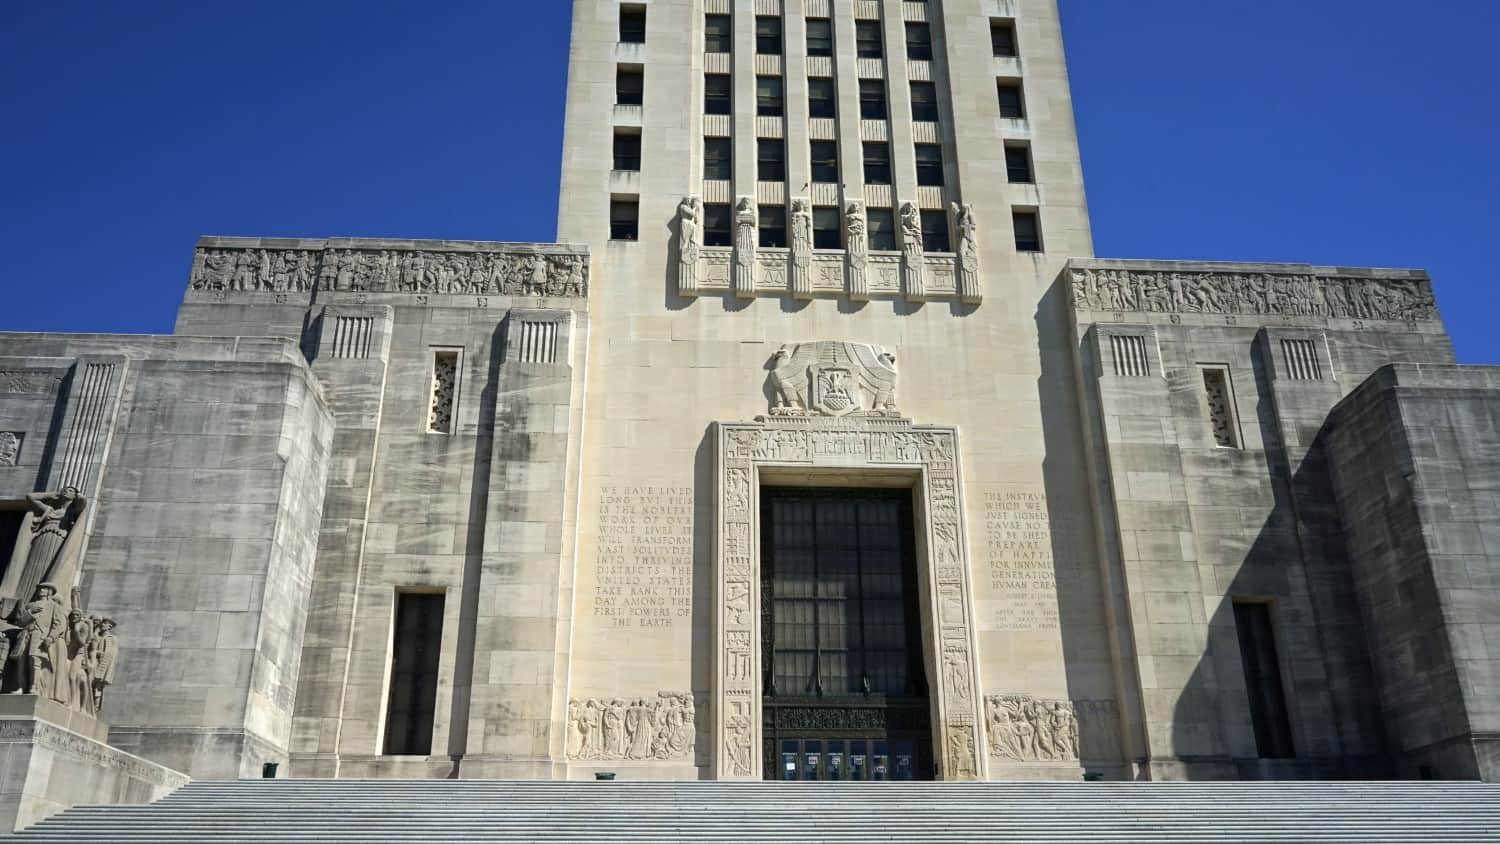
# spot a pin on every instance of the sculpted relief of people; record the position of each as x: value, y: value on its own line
x: 1405, y: 300
x: 968, y: 252
x: 638, y: 729
x: 42, y: 551
x: 56, y: 652
x: 689, y: 220
x: 833, y: 379
x: 10, y: 448
x: 913, y: 284
x: 1025, y: 729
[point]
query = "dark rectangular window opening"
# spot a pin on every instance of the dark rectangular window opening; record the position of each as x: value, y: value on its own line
x: 935, y: 231
x: 872, y: 99
x: 825, y: 161
x: 877, y: 163
x: 416, y: 647
x: 630, y: 85
x: 718, y: 223
x: 718, y: 94
x: 627, y: 152
x: 827, y: 228
x: 1018, y: 165
x: 1028, y: 231
x: 633, y: 24
x: 919, y: 42
x: 1268, y: 710
x: 882, y: 229
x: 929, y: 164
x: 924, y: 105
x: 868, y: 43
x: 718, y: 34
x: 773, y: 226
x: 770, y: 160
x: 768, y: 35
x: 10, y: 534
x: 822, y: 97
x: 718, y: 159
x: 624, y: 219
x: 1003, y: 37
x: 819, y: 37
x: 1012, y: 104
x: 768, y: 102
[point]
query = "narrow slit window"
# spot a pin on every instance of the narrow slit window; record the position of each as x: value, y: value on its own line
x: 1221, y: 415
x: 1263, y: 683
x: 444, y: 391
x: 417, y: 642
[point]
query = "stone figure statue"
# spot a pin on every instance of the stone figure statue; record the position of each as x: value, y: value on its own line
x: 744, y: 247
x: 41, y: 644
x: 911, y: 250
x: 45, y: 533
x: 1028, y: 730
x: 635, y: 729
x: 857, y: 250
x: 614, y: 729
x: 968, y: 252
x: 78, y: 687
x: 689, y: 217
x: 801, y: 249
x: 10, y: 448
x: 104, y: 650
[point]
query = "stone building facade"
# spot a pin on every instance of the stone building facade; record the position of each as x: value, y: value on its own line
x: 824, y: 297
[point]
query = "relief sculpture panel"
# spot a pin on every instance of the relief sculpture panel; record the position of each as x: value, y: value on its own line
x: 637, y: 729
x: 1027, y: 729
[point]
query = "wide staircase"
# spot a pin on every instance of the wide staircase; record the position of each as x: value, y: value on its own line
x: 474, y: 811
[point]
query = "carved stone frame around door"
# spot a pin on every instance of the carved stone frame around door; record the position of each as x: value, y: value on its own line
x: 867, y: 450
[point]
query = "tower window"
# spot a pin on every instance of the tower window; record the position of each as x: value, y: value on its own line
x: 872, y: 99
x: 935, y: 231
x: 1003, y: 37
x: 627, y: 153
x: 822, y: 97
x: 770, y: 160
x: 827, y: 228
x: 417, y: 644
x: 1018, y: 165
x: 929, y: 164
x: 773, y: 226
x: 1268, y: 710
x: 819, y: 37
x: 630, y: 84
x: 718, y: 222
x: 633, y: 24
x: 882, y: 229
x: 1221, y: 415
x: 868, y: 43
x: 768, y: 35
x: 919, y: 42
x: 768, y: 101
x: 1028, y: 231
x: 877, y: 162
x: 444, y: 391
x: 718, y: 159
x: 825, y: 161
x: 718, y: 34
x: 718, y: 94
x: 1012, y: 104
x: 924, y: 102
x: 624, y: 219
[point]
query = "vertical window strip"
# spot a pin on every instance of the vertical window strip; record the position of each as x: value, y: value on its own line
x: 444, y: 392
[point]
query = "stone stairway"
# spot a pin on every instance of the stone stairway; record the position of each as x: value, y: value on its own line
x: 1096, y: 813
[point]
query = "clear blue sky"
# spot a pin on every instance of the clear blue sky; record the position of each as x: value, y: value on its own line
x: 1354, y: 132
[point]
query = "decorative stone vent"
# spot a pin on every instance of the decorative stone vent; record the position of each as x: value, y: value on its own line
x: 1302, y: 360
x: 1131, y: 360
x: 1221, y: 407
x: 444, y: 391
x: 537, y: 342
x: 351, y: 337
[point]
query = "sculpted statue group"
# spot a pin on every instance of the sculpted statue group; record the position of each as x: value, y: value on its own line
x: 391, y: 271
x: 1025, y: 729
x: 637, y: 729
x: 1254, y: 293
x: 833, y: 379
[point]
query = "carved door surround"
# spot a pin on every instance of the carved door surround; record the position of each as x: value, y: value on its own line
x: 870, y: 450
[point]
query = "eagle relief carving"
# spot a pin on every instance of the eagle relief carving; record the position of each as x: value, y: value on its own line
x: 830, y: 378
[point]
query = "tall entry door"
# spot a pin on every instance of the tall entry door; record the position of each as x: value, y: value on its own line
x: 845, y: 690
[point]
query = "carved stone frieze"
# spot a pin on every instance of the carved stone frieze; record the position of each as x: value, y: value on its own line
x: 1026, y: 729
x: 638, y: 729
x: 1254, y: 293
x: 833, y: 379
x: 18, y: 382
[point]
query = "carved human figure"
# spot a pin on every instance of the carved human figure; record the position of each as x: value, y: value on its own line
x: 857, y: 250
x: 44, y: 623
x: 79, y: 684
x: 968, y: 252
x: 52, y: 518
x: 680, y: 727
x: 614, y: 729
x: 744, y: 247
x: 10, y: 448
x: 689, y: 215
x: 911, y: 250
x: 575, y: 730
x: 638, y: 730
x: 592, y: 738
x: 217, y: 268
x: 801, y: 248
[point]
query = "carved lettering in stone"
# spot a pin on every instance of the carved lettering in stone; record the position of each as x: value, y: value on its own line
x: 830, y: 378
x: 739, y: 738
x: 10, y: 448
x: 744, y: 247
x: 857, y: 243
x: 968, y: 253
x: 1033, y: 556
x: 911, y: 250
x: 1292, y: 295
x: 643, y: 575
x: 689, y: 213
x: 638, y: 729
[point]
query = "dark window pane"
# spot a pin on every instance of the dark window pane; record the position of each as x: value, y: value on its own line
x: 935, y: 231
x: 918, y: 42
x: 1003, y: 38
x: 929, y: 164
x: 624, y: 222
x: 629, y: 84
x: 718, y: 158
x: 882, y: 228
x: 872, y: 99
x: 417, y: 645
x: 825, y: 161
x: 718, y: 34
x: 1268, y: 712
x: 770, y: 163
x: 768, y: 96
x: 718, y: 97
x: 827, y: 229
x: 627, y: 151
x: 822, y: 97
x: 877, y: 163
x: 867, y: 40
x: 1028, y: 232
x: 633, y: 24
x: 718, y: 221
x: 924, y: 101
x: 773, y: 226
x: 1011, y: 103
x: 1018, y: 165
x: 768, y: 35
x: 819, y: 37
